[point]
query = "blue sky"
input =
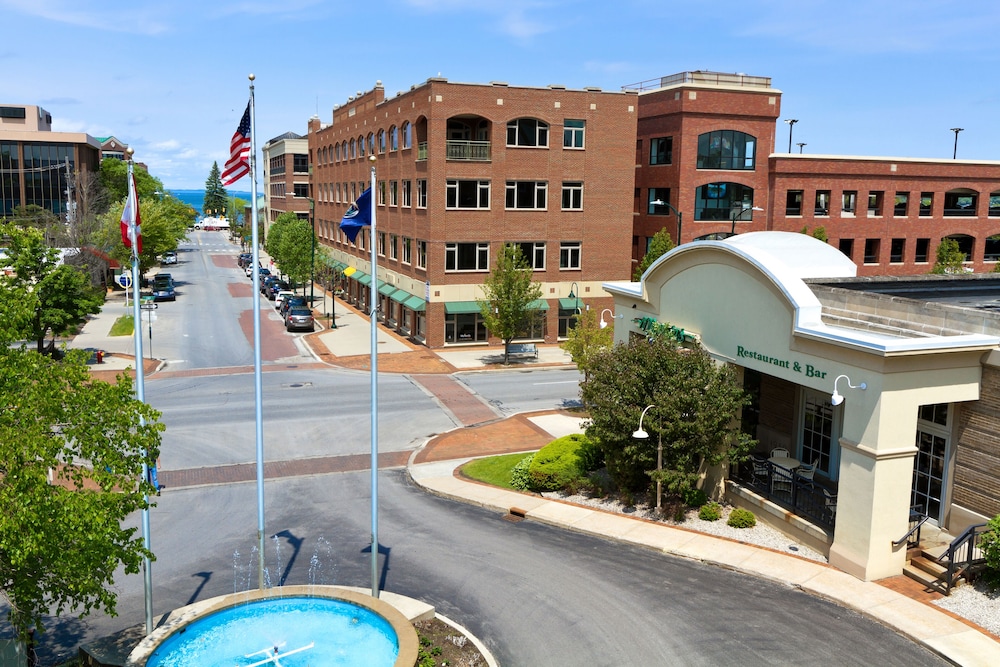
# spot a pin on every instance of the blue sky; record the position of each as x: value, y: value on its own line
x: 863, y: 77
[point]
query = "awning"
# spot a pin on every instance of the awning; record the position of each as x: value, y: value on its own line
x: 415, y: 303
x: 385, y: 288
x: 571, y: 304
x: 538, y: 304
x: 362, y: 277
x: 400, y: 296
x: 461, y: 307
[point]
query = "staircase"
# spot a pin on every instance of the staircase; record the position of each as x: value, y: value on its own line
x: 940, y: 562
x: 922, y: 565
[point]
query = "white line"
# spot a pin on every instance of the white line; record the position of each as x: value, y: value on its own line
x: 538, y: 384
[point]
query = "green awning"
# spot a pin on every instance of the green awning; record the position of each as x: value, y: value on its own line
x: 538, y: 304
x: 460, y: 307
x: 400, y: 296
x: 415, y: 303
x: 362, y: 277
x: 571, y: 304
x: 385, y: 288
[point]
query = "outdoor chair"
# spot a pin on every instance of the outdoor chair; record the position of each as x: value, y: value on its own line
x: 831, y: 502
x: 781, y: 480
x: 779, y: 451
x: 806, y: 472
x: 761, y: 474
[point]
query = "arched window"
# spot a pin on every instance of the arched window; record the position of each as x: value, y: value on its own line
x: 723, y: 201
x: 726, y: 149
x: 337, y: 150
x: 354, y: 153
x: 361, y: 146
x: 381, y: 141
x: 528, y: 132
x: 393, y: 139
x: 407, y: 135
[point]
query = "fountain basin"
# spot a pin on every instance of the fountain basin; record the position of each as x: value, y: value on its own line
x: 308, y: 625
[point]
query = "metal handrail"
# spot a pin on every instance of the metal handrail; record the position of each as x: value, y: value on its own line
x: 969, y: 540
x: 915, y: 529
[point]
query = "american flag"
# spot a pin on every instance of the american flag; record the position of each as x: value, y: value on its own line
x: 238, y: 165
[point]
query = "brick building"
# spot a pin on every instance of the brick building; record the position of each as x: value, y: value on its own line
x: 286, y: 176
x: 462, y: 169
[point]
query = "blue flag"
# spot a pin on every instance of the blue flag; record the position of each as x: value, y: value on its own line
x: 358, y: 216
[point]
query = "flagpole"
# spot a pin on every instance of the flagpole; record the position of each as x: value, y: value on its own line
x: 373, y: 310
x: 257, y: 385
x: 132, y: 199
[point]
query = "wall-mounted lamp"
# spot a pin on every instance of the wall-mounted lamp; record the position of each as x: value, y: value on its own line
x: 604, y: 324
x: 836, y: 398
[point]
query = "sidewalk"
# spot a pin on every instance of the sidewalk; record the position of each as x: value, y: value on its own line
x: 435, y: 467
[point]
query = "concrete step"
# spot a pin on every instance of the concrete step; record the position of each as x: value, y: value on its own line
x: 924, y: 578
x: 929, y: 566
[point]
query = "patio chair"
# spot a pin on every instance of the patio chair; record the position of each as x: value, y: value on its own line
x: 806, y: 472
x: 760, y: 471
x: 779, y: 451
x: 781, y: 480
x: 830, y: 499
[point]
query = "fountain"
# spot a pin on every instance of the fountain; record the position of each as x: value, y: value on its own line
x: 289, y: 626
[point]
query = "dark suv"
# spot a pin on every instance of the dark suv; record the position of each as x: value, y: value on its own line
x: 163, y: 287
x: 291, y: 302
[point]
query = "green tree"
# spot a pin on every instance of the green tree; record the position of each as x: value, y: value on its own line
x: 114, y: 178
x: 61, y: 542
x: 58, y: 297
x: 950, y: 258
x: 817, y: 233
x: 660, y: 245
x: 587, y: 340
x: 696, y: 408
x: 509, y: 292
x: 273, y: 242
x: 215, y: 195
x: 295, y: 250
x: 165, y: 221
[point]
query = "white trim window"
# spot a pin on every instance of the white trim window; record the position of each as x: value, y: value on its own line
x: 468, y: 194
x: 393, y: 247
x: 529, y: 195
x: 421, y: 254
x: 466, y: 256
x: 572, y: 196
x: 421, y: 193
x: 534, y: 253
x: 573, y: 134
x: 407, y: 193
x: 528, y: 133
x: 407, y: 250
x: 569, y: 255
x: 381, y: 244
x: 393, y: 193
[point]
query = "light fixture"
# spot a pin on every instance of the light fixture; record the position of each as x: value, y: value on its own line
x: 836, y: 398
x: 639, y: 433
x: 604, y: 324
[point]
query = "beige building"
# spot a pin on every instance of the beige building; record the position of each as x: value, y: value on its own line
x: 889, y: 398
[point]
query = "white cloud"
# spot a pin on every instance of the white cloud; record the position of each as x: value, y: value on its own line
x: 109, y: 15
x: 169, y: 145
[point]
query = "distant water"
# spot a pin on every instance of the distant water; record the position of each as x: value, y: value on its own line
x: 196, y: 198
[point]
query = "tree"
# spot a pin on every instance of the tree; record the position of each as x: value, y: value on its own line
x: 950, y: 258
x: 215, y: 195
x: 660, y: 245
x: 587, y: 340
x: 290, y: 244
x: 165, y: 221
x: 58, y: 297
x: 696, y: 406
x: 818, y: 233
x: 114, y: 179
x: 509, y: 292
x: 61, y: 542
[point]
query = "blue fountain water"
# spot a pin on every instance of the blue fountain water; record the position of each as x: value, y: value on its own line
x: 285, y: 632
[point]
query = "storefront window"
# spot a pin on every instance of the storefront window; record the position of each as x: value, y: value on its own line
x: 817, y: 432
x: 464, y: 328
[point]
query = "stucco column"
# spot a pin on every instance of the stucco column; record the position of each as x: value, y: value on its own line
x: 876, y: 473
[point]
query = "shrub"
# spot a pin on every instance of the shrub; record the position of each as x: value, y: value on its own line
x: 710, y: 512
x: 557, y: 464
x: 990, y: 544
x: 695, y: 498
x: 519, y: 473
x: 741, y: 518
x: 590, y: 453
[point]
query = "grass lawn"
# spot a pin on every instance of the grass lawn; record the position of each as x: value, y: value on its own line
x: 493, y: 470
x: 122, y: 326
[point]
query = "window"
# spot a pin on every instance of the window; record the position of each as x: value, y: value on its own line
x: 421, y: 254
x: 721, y: 201
x: 572, y: 196
x: 300, y: 189
x: 573, y: 133
x: 337, y: 151
x: 567, y: 320
x: 793, y: 202
x: 381, y: 141
x: 818, y: 431
x: 407, y: 250
x: 381, y: 193
x: 361, y: 146
x: 960, y: 203
x: 926, y: 204
x: 467, y: 194
x: 896, y: 249
x: 872, y: 248
x: 527, y: 132
x: 849, y: 203
x: 421, y: 193
x: 407, y: 135
x: 464, y: 328
x: 658, y: 200
x: 534, y: 254
x: 569, y: 255
x: 875, y: 198
x: 900, y: 205
x: 822, y: 206
x: 393, y: 139
x: 407, y: 194
x: 393, y: 193
x: 466, y: 256
x: 371, y: 144
x: 393, y: 247
x: 526, y: 194
x: 991, y: 248
x: 726, y: 149
x: 381, y: 244
x: 354, y: 149
x: 923, y: 246
x: 994, y: 205
x: 661, y: 150
x: 300, y: 164
x: 534, y: 327
x: 847, y: 247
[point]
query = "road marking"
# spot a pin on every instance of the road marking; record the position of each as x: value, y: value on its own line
x: 538, y: 384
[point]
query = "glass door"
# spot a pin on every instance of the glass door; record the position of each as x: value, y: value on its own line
x: 930, y: 464
x: 818, y: 432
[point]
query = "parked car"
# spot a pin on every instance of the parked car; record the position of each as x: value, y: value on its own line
x: 280, y: 297
x: 273, y: 287
x: 169, y: 257
x: 249, y: 270
x: 299, y: 318
x: 291, y: 302
x: 163, y: 287
x: 265, y: 284
x: 244, y: 260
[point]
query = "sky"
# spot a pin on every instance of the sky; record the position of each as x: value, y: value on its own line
x: 885, y: 78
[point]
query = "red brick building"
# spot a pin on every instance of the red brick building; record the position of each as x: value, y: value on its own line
x: 462, y: 169
x: 286, y: 176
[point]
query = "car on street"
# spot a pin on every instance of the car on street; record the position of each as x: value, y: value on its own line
x: 299, y: 318
x: 290, y: 302
x: 244, y: 260
x: 280, y: 297
x: 169, y: 257
x: 163, y: 287
x: 275, y: 287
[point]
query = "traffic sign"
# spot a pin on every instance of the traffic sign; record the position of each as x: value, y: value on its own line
x: 125, y: 280
x: 149, y: 306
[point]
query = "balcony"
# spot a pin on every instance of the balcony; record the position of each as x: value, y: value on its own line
x: 468, y: 151
x: 422, y: 150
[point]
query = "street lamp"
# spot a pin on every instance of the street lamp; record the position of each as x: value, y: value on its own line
x: 613, y: 316
x: 801, y: 145
x: 956, y: 130
x: 791, y: 123
x: 640, y: 434
x: 836, y: 398
x: 660, y: 202
x: 312, y: 266
x: 737, y: 213
x: 575, y: 294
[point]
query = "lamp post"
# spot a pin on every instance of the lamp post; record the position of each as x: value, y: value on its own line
x: 736, y: 213
x: 791, y: 123
x: 312, y: 266
x: 604, y: 324
x: 574, y: 293
x: 660, y: 202
x: 801, y: 145
x: 642, y: 435
x: 956, y: 130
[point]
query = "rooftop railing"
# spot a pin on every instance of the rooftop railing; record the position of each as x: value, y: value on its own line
x: 701, y: 77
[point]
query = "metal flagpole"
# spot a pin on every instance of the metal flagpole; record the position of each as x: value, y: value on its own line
x: 257, y: 387
x: 373, y: 310
x: 140, y: 387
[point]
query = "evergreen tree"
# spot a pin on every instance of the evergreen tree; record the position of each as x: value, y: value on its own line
x: 216, y: 198
x: 660, y: 245
x: 509, y: 292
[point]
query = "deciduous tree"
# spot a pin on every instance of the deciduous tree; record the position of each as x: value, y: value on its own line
x: 660, y: 245
x: 587, y: 340
x: 950, y: 259
x: 509, y: 292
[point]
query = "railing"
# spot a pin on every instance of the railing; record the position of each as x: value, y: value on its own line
x: 474, y: 151
x: 422, y: 150
x: 912, y: 537
x: 783, y: 487
x: 959, y: 212
x: 964, y: 552
x: 716, y: 78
